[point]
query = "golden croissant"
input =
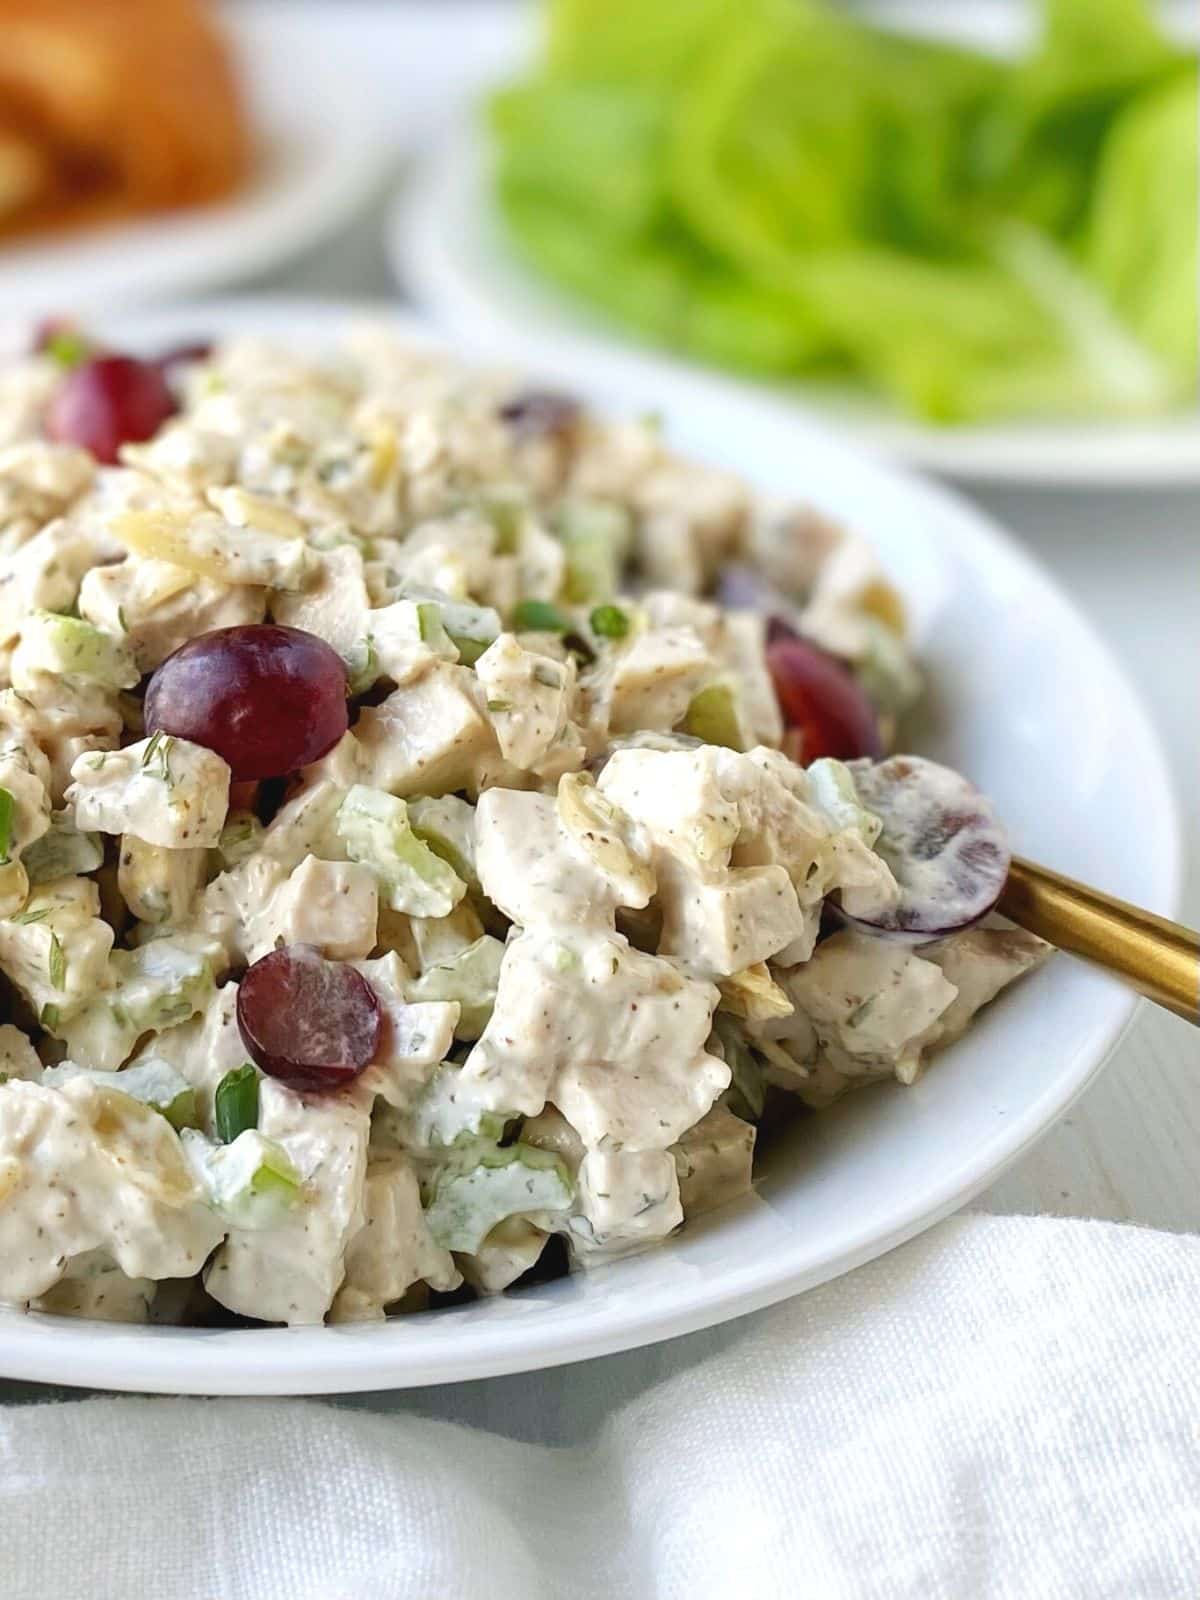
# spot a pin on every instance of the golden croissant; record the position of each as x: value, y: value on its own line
x: 112, y: 107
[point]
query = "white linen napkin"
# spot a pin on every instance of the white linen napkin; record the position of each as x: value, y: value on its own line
x: 1005, y: 1407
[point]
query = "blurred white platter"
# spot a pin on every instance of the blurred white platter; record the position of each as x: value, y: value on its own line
x: 1023, y: 697
x: 318, y: 158
x: 447, y: 249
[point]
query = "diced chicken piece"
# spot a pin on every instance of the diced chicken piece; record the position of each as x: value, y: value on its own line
x: 789, y: 544
x: 569, y: 999
x: 158, y: 606
x: 980, y: 962
x: 414, y: 1038
x: 743, y: 648
x: 334, y: 606
x: 871, y: 1001
x: 18, y: 1058
x: 714, y: 1160
x: 160, y: 885
x: 626, y: 1202
x: 93, y: 1286
x: 528, y: 698
x: 455, y: 555
x: 84, y: 1168
x: 426, y: 737
x: 849, y: 595
x: 720, y: 928
x: 679, y: 501
x: 29, y: 818
x: 512, y: 1247
x: 56, y: 950
x: 332, y: 905
x: 392, y: 1250
x: 26, y: 387
x: 63, y: 720
x: 152, y: 988
x: 38, y: 482
x: 204, y: 1049
x: 290, y: 1273
x: 540, y: 873
x: 44, y: 574
x: 654, y: 680
x: 678, y: 797
x: 638, y: 1103
x: 165, y: 790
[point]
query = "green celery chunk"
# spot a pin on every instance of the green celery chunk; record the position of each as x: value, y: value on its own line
x: 375, y: 829
x: 596, y: 536
x: 471, y: 978
x: 713, y: 716
x: 252, y: 1182
x: 76, y: 649
x: 62, y: 852
x: 467, y: 1205
x: 539, y: 616
x: 446, y: 824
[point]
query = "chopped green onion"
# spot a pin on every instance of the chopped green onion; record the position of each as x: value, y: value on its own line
x: 6, y: 820
x: 49, y: 1017
x: 235, y: 1103
x: 67, y: 348
x: 609, y: 622
x: 539, y: 616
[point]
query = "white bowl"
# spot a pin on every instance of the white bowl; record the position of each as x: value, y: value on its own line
x: 1028, y: 702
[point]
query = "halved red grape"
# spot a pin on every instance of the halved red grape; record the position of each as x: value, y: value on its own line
x: 822, y: 702
x: 266, y: 698
x: 109, y: 401
x: 313, y: 1024
x: 942, y: 840
x: 532, y: 413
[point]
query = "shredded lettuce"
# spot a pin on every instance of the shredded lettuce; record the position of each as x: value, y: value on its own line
x: 777, y: 186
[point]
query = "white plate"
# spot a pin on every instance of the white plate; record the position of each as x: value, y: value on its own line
x: 447, y: 249
x: 1028, y: 702
x: 317, y: 158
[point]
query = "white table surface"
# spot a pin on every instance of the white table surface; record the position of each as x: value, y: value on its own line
x: 1128, y: 1150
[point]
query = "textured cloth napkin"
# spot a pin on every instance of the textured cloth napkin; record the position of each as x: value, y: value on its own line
x: 1005, y: 1407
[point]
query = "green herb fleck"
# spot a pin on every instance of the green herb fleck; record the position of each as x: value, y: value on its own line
x: 121, y: 619
x: 6, y: 822
x: 157, y: 755
x: 499, y: 705
x: 39, y: 915
x: 58, y: 963
x: 49, y: 1017
x: 609, y: 622
x: 539, y: 616
x: 235, y: 1103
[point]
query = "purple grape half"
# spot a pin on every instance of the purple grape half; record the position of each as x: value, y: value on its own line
x: 941, y: 837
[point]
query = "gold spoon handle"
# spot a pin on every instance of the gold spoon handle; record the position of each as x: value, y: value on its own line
x: 1159, y: 959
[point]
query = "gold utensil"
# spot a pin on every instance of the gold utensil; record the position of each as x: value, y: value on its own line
x: 1158, y: 958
